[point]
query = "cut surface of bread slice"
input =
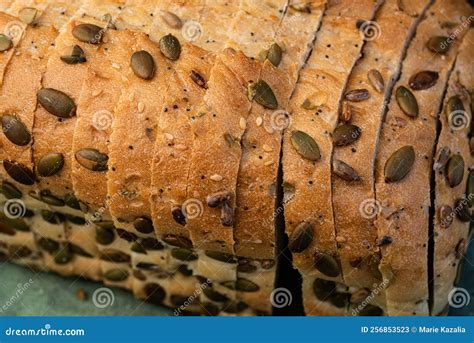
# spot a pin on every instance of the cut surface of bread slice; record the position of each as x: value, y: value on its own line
x: 404, y: 161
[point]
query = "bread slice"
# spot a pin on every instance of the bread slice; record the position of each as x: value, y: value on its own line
x: 353, y: 200
x: 404, y: 217
x: 451, y: 235
x: 313, y: 111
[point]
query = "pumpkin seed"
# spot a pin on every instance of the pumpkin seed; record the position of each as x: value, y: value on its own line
x: 220, y: 256
x: 399, y: 164
x: 49, y: 199
x: 346, y: 112
x: 143, y: 64
x: 445, y: 213
x: 178, y: 241
x: 384, y: 240
x: 104, y: 236
x: 198, y: 79
x: 10, y: 191
x: 52, y: 217
x: 178, y: 215
x: 357, y: 95
x: 116, y: 256
x: 50, y: 164
x: 454, y: 106
x: 371, y: 310
x: 5, y: 229
x: 92, y: 159
x: 183, y: 254
x: 462, y: 210
x: 301, y: 237
x: 455, y: 170
x: 246, y: 266
x: 242, y: 285
x: 155, y: 293
x: 75, y: 219
x: 143, y: 225
x: 442, y: 158
x: 373, y: 263
x: 171, y: 19
x: 105, y: 224
x: 126, y: 235
x: 56, y: 102
x: 214, y: 295
x: 359, y: 296
x: 470, y: 188
x: 262, y: 93
x: 77, y: 56
x: 326, y: 264
x: 17, y: 223
x: 345, y: 171
x: 148, y: 266
x: 137, y: 248
x: 63, y: 255
x: 170, y: 47
x: 323, y: 289
x: 71, y: 201
x: 302, y: 8
x: 234, y: 307
x: 116, y: 275
x: 227, y: 215
x: 308, y: 105
x: 376, y: 80
x: 19, y: 172
x: 305, y: 145
x: 209, y: 309
x: 48, y: 245
x: 88, y: 33
x: 178, y: 300
x: 407, y: 102
x: 150, y: 243
x: 15, y: 130
x: 439, y: 44
x: 339, y: 300
x: 423, y: 80
x: 274, y: 54
x: 19, y: 251
x: 76, y: 250
x: 346, y: 134
x: 218, y: 199
x: 5, y: 42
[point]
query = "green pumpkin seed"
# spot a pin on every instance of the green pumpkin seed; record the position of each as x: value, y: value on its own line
x: 57, y: 103
x: 220, y: 256
x: 105, y: 224
x: 214, y: 295
x: 126, y: 235
x: 305, y: 145
x: 445, y: 217
x: 77, y: 56
x: 6, y: 229
x: 71, y: 201
x: 470, y: 188
x: 323, y: 289
x: 143, y: 225
x: 454, y: 106
x: 49, y: 199
x: 143, y: 64
x: 184, y: 270
x: 10, y: 191
x: 88, y: 33
x: 242, y: 285
x: 52, y: 217
x: 183, y: 254
x: 5, y: 42
x: 371, y: 310
x: 455, y: 170
x: 439, y: 44
x: 116, y: 256
x: 50, y: 164
x: 234, y: 307
x: 19, y: 172
x: 357, y: 95
x: 198, y: 79
x: 151, y: 244
x: 274, y: 54
x: 178, y: 241
x: 63, y: 255
x: 137, y: 247
x: 209, y: 309
x: 92, y: 159
x: 340, y: 300
x: 149, y: 266
x: 346, y: 134
x: 345, y: 171
x: 423, y: 80
x: 301, y: 238
x: 116, y: 275
x: 76, y: 250
x: 48, y: 245
x: 19, y: 251
x: 399, y: 164
x: 18, y: 224
x: 170, y: 47
x: 104, y: 236
x: 15, y: 130
x: 326, y: 264
x: 376, y: 80
x: 407, y: 102
x: 75, y: 219
x: 262, y: 93
x: 171, y: 19
x: 246, y: 266
x: 155, y: 293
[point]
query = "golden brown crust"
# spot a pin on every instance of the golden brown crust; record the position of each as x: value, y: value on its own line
x: 406, y: 257
x: 354, y: 200
x: 450, y: 242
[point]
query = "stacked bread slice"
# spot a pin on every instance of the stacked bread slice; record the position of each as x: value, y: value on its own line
x: 152, y: 145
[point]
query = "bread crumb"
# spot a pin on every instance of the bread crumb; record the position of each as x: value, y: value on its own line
x: 141, y: 107
x: 259, y: 121
x: 243, y: 123
x: 216, y: 177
